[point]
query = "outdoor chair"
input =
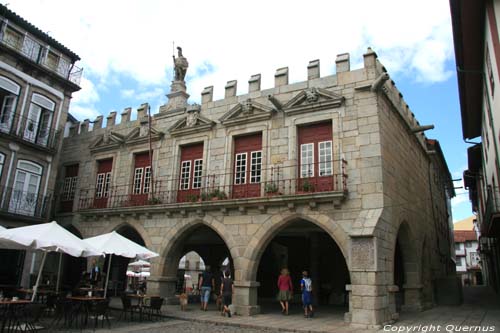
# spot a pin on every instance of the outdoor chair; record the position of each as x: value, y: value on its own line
x: 128, y: 308
x: 100, y: 310
x: 63, y: 311
x: 32, y: 314
x: 154, y: 307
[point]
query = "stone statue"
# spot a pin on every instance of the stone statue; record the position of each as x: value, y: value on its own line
x: 180, y: 65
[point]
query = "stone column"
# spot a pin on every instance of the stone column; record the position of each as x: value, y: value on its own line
x: 412, y: 297
x: 245, y: 297
x: 163, y: 286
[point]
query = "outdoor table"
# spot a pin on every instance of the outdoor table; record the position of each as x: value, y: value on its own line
x: 41, y: 293
x: 85, y: 290
x: 9, y: 312
x: 140, y: 301
x: 82, y: 309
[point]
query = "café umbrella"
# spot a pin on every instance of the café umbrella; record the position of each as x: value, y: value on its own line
x: 115, y: 244
x: 47, y: 237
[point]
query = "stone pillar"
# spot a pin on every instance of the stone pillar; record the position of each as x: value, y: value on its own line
x: 245, y: 297
x: 207, y: 95
x: 343, y: 63
x: 163, y: 286
x: 230, y: 88
x: 313, y: 70
x: 281, y: 77
x: 177, y: 98
x: 126, y: 115
x: 84, y: 126
x: 412, y: 297
x: 111, y: 119
x: 254, y: 83
x: 392, y: 291
x: 142, y: 111
x: 98, y: 122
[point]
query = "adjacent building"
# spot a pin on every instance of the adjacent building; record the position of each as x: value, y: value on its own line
x: 466, y: 252
x: 332, y: 174
x: 477, y: 50
x: 37, y: 77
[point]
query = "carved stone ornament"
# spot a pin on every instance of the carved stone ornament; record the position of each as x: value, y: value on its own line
x: 247, y: 107
x: 312, y: 95
x: 193, y: 113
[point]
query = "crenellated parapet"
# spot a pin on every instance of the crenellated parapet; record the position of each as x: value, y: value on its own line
x: 317, y: 92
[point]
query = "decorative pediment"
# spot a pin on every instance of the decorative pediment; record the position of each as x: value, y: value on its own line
x: 313, y: 99
x: 107, y: 141
x: 246, y: 112
x: 140, y: 135
x: 193, y: 122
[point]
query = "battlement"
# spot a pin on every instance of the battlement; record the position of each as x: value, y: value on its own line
x: 371, y: 77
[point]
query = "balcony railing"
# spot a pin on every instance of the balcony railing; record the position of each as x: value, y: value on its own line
x: 24, y: 203
x: 214, y: 188
x: 30, y: 131
x: 39, y: 54
x: 491, y: 217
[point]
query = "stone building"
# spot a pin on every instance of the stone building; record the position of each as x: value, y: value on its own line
x: 477, y: 53
x: 332, y: 174
x: 466, y: 252
x: 37, y: 77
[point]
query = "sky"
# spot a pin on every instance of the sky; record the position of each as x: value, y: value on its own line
x: 126, y: 49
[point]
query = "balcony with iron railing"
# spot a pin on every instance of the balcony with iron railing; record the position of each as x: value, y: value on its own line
x: 490, y: 224
x: 24, y: 204
x: 36, y: 134
x: 215, y: 192
x: 41, y: 55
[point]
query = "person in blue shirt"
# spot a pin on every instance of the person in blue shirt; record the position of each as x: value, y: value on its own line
x: 306, y: 288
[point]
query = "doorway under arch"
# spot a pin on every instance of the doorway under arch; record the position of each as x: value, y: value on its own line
x: 210, y: 248
x: 303, y: 245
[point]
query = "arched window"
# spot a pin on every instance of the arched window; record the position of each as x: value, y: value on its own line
x: 24, y: 194
x: 9, y: 93
x: 38, y: 124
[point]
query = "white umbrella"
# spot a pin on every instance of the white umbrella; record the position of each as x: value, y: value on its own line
x: 114, y: 243
x: 140, y: 263
x: 48, y: 237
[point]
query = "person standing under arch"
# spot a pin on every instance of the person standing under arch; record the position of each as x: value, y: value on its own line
x: 306, y: 287
x: 206, y: 284
x: 285, y: 287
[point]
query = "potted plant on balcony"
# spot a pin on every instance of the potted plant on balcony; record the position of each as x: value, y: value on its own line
x: 306, y: 187
x: 271, y: 189
x: 193, y: 197
x: 154, y: 201
x: 218, y: 195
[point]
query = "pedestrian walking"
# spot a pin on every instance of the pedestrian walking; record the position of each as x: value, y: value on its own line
x: 306, y: 288
x: 285, y: 287
x: 226, y: 290
x: 206, y: 285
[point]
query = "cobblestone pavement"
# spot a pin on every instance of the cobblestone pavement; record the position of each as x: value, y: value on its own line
x: 480, y: 312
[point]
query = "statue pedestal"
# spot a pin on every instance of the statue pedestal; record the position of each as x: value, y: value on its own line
x: 177, y: 98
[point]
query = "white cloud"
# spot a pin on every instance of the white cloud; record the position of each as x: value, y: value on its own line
x: 135, y: 38
x: 83, y: 112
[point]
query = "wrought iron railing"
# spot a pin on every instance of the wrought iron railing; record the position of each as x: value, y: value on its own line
x: 215, y: 188
x: 29, y: 130
x: 39, y: 54
x: 25, y: 203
